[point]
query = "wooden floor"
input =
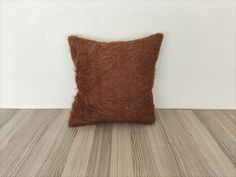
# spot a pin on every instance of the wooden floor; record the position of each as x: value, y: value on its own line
x: 183, y: 143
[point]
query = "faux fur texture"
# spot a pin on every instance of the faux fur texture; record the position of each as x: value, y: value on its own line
x: 114, y: 80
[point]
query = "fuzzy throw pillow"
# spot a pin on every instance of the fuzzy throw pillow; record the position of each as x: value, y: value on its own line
x: 114, y: 80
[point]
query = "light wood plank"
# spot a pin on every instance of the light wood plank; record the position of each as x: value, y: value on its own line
x: 6, y: 115
x: 23, y: 141
x: 162, y: 150
x: 78, y: 156
x: 121, y: 151
x: 57, y: 158
x: 222, y: 127
x: 43, y: 147
x: 143, y: 160
x: 13, y: 126
x: 100, y: 153
x: 196, y: 151
x: 182, y: 143
x: 231, y: 114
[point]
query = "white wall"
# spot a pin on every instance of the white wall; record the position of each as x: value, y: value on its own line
x: 196, y: 67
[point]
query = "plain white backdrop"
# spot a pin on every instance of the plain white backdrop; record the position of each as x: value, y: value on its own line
x: 196, y: 66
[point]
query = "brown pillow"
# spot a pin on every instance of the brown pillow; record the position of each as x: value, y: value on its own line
x: 114, y: 80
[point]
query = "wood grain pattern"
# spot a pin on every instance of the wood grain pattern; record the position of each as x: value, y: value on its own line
x: 182, y: 143
x: 217, y: 122
x: 121, y: 151
x: 6, y: 115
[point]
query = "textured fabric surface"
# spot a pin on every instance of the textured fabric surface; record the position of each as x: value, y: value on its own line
x: 114, y: 80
